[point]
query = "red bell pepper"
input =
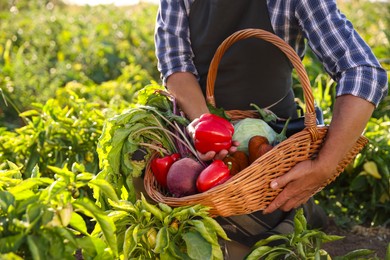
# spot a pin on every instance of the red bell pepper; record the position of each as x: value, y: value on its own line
x: 175, y: 156
x: 208, y: 116
x: 160, y: 167
x: 214, y: 174
x: 213, y: 133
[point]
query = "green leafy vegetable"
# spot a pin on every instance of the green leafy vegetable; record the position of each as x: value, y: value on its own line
x: 152, y: 125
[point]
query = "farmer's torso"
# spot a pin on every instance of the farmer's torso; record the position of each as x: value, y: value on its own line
x: 252, y: 70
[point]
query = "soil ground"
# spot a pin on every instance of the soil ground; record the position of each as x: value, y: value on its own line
x: 376, y: 239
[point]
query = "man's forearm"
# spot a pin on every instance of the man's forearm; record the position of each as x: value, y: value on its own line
x: 185, y: 87
x: 349, y: 119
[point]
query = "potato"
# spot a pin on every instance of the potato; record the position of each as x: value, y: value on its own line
x: 182, y: 176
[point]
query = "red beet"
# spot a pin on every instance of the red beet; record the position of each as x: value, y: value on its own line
x: 182, y: 176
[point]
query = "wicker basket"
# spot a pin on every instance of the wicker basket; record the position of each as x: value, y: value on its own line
x: 249, y: 190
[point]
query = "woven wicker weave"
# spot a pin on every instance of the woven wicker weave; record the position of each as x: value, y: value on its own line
x: 249, y: 190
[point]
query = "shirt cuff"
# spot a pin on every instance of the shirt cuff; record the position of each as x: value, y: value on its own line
x: 369, y: 83
x: 184, y: 68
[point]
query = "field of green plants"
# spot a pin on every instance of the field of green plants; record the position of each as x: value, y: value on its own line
x: 67, y: 73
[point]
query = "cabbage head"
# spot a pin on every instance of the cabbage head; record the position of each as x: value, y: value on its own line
x: 248, y: 127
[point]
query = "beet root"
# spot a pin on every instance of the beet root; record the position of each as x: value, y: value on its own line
x: 182, y: 176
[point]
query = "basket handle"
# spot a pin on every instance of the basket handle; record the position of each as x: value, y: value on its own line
x: 310, y: 115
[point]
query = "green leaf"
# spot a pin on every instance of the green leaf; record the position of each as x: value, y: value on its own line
x: 209, y: 234
x: 35, y: 250
x: 33, y: 159
x: 162, y: 240
x: 10, y: 256
x: 34, y: 212
x: 263, y: 251
x: 11, y: 243
x: 359, y: 183
x: 136, y: 232
x: 300, y: 251
x: 21, y: 196
x: 156, y: 211
x: 104, y: 221
x: 299, y: 215
x: 27, y: 184
x: 330, y: 238
x: 197, y: 247
x: 218, y: 111
x: 88, y: 247
x: 116, y: 145
x: 14, y: 168
x: 356, y: 254
x: 94, y: 248
x: 129, y: 244
x: 30, y: 113
x: 48, y: 216
x: 168, y: 255
x: 6, y: 199
x: 272, y: 238
x: 64, y: 172
x: 279, y: 254
x: 105, y: 187
x: 78, y: 223
x: 164, y: 207
x: 147, y: 94
x: 174, y: 252
x: 85, y: 176
x: 6, y: 182
x: 124, y: 205
x: 212, y: 224
x: 186, y: 212
x: 35, y: 173
x: 68, y: 236
x: 203, y: 231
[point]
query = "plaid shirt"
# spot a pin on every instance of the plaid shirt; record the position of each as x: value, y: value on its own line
x: 345, y: 56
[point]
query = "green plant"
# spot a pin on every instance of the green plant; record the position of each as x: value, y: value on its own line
x: 55, y: 134
x: 302, y: 243
x: 115, y: 94
x: 43, y: 49
x: 367, y: 176
x: 45, y: 218
x: 149, y: 231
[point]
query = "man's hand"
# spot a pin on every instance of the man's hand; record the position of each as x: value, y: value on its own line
x: 299, y: 184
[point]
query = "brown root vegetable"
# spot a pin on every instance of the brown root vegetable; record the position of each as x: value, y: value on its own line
x: 241, y: 158
x: 263, y: 149
x: 233, y: 165
x: 253, y: 146
x: 182, y: 176
x: 236, y: 162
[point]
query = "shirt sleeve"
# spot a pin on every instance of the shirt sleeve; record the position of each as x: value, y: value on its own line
x: 344, y: 54
x: 172, y: 39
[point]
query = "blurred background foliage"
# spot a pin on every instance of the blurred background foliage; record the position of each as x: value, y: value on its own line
x: 65, y: 69
x: 45, y: 45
